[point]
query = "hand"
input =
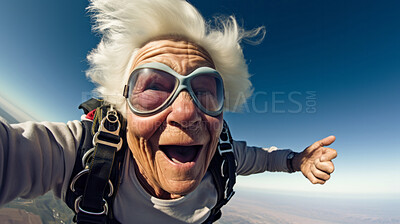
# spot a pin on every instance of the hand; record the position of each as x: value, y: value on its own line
x: 315, y: 162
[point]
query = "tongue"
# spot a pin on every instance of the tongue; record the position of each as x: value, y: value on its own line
x: 181, y: 154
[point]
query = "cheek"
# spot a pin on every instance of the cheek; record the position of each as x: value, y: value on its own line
x: 145, y: 158
x: 140, y: 150
x: 214, y: 125
x: 140, y: 133
x: 144, y: 127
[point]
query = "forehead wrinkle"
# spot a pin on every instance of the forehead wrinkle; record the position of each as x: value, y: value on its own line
x: 180, y: 45
x: 188, y: 52
x: 179, y: 55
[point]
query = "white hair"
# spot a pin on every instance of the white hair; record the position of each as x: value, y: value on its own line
x: 125, y: 25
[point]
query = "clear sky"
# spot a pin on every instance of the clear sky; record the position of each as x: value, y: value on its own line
x: 324, y: 67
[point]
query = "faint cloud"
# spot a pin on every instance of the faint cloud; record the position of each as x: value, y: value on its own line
x: 12, y: 113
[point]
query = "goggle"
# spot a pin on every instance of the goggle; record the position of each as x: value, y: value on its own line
x: 152, y: 87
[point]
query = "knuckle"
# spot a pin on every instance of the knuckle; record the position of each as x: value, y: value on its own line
x: 313, y: 170
x: 328, y: 177
x: 314, y: 181
x: 331, y: 168
x: 333, y: 153
x: 322, y: 176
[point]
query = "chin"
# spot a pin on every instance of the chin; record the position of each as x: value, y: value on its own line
x: 182, y: 188
x: 182, y: 178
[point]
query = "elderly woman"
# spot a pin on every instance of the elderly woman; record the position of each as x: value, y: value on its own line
x: 171, y: 76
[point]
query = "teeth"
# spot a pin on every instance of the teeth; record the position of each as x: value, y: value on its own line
x: 176, y: 161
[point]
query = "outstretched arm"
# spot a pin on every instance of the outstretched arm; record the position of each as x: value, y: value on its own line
x: 315, y: 162
x: 36, y: 158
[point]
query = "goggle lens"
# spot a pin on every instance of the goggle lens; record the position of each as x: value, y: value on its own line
x: 208, y: 91
x: 151, y: 90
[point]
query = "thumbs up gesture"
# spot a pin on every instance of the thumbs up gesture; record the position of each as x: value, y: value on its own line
x: 315, y: 162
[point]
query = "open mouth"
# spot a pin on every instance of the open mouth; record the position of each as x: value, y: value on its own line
x: 181, y: 153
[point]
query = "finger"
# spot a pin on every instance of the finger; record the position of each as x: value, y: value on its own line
x: 328, y: 154
x: 326, y: 167
x: 314, y: 180
x: 320, y: 174
x: 324, y: 142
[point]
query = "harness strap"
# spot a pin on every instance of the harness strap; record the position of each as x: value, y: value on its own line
x: 93, y: 202
x: 90, y: 105
x: 94, y: 194
x: 107, y: 142
x: 223, y: 170
x: 95, y: 178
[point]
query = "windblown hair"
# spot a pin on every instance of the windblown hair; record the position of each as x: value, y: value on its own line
x: 126, y: 25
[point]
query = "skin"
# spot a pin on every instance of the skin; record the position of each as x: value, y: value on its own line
x: 182, y: 123
x: 315, y: 162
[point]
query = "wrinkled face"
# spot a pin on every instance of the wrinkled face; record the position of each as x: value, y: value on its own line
x: 174, y: 147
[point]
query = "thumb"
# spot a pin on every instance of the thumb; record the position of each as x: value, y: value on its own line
x: 324, y: 142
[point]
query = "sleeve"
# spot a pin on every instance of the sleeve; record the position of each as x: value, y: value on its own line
x: 252, y: 160
x: 36, y: 158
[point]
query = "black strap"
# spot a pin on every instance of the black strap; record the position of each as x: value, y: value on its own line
x: 106, y: 164
x: 90, y: 105
x: 85, y: 145
x: 223, y: 170
x: 88, y: 194
x: 97, y: 180
x: 93, y: 203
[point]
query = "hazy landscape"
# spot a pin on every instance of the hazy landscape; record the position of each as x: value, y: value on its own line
x: 247, y: 206
x: 49, y: 209
x: 285, y: 208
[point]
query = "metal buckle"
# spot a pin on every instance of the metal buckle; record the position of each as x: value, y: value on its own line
x: 78, y: 207
x: 223, y: 151
x: 102, y: 128
x: 230, y: 195
x: 226, y: 196
x: 222, y: 168
x: 86, y: 157
x: 221, y: 141
x: 86, y: 171
x: 115, y: 145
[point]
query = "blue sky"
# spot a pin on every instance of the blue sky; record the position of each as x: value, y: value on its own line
x: 324, y: 67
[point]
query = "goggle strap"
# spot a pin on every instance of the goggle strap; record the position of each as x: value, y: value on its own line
x: 126, y: 91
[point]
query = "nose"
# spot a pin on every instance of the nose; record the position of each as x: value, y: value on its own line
x: 185, y: 114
